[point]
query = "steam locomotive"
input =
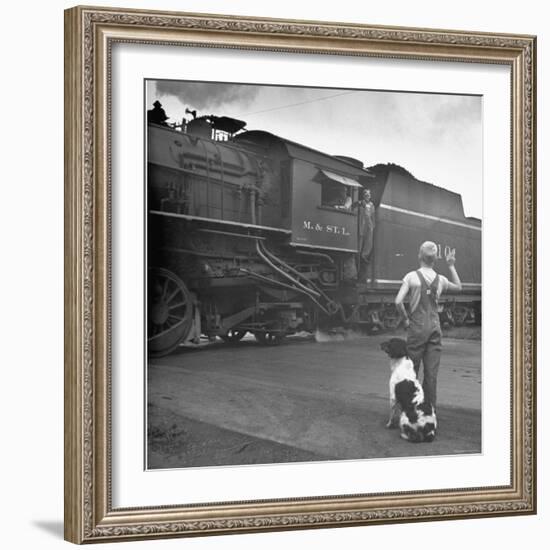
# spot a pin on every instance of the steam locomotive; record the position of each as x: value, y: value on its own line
x: 244, y: 236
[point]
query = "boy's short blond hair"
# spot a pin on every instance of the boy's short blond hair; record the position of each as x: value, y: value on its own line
x: 428, y: 253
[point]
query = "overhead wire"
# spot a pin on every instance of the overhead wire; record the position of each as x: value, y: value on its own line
x: 299, y: 103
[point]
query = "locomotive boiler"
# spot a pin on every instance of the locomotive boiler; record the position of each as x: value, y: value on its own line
x: 249, y: 232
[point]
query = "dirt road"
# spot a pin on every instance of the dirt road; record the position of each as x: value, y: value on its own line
x: 301, y: 401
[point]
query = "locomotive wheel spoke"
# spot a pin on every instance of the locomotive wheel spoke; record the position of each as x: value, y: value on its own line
x: 175, y: 306
x: 164, y: 289
x: 173, y: 295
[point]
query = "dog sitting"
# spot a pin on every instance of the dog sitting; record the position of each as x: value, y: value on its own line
x: 415, y: 416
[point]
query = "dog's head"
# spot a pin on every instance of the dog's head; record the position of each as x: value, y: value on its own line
x: 396, y: 348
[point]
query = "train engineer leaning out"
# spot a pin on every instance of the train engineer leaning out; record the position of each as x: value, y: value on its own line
x: 423, y: 288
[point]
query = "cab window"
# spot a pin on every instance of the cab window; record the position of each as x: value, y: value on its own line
x: 336, y: 195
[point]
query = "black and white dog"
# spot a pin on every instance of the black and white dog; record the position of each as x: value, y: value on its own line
x: 408, y: 409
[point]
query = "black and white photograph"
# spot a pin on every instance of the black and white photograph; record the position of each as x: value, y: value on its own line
x: 313, y: 274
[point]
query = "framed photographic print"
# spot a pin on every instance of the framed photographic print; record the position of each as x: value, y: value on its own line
x: 300, y: 274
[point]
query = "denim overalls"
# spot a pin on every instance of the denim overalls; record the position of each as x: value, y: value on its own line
x: 424, y: 336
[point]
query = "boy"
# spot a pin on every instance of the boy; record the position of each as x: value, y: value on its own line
x: 424, y: 287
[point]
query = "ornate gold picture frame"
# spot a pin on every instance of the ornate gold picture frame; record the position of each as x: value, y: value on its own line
x: 90, y: 35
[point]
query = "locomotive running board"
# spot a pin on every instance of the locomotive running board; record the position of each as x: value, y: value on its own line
x: 316, y: 247
x: 399, y: 281
x: 222, y: 222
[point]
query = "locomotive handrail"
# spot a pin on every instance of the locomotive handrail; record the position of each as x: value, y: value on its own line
x: 230, y: 233
x: 222, y: 174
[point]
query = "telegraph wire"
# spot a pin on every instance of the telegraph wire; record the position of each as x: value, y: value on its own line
x: 300, y: 103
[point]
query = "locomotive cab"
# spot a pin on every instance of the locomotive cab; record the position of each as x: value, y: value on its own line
x: 323, y: 214
x: 318, y: 192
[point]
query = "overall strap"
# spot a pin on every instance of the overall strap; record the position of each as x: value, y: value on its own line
x: 434, y: 287
x: 423, y: 282
x: 429, y: 290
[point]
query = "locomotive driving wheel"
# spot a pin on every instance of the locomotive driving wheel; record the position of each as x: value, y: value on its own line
x: 268, y: 338
x: 232, y: 336
x: 170, y: 311
x: 460, y: 314
x: 390, y: 318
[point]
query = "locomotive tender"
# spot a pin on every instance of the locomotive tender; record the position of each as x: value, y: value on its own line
x: 245, y: 234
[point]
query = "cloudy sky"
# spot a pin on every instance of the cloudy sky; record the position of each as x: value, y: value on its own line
x: 438, y: 138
